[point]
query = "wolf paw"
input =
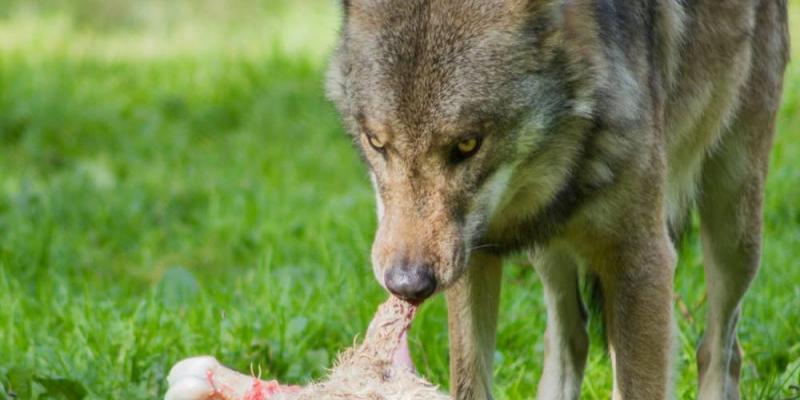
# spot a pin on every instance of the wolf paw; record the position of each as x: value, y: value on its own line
x: 193, y: 379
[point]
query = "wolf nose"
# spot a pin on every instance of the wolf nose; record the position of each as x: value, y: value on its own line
x: 412, y: 283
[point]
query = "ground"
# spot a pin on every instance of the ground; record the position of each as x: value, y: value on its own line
x: 173, y: 183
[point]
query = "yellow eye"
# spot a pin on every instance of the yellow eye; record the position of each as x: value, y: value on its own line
x: 466, y: 147
x: 375, y: 142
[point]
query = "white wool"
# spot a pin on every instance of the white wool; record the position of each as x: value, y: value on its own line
x: 365, y: 371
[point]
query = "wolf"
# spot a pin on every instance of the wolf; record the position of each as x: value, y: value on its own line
x: 580, y: 132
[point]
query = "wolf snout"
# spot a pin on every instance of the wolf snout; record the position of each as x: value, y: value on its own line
x: 413, y: 283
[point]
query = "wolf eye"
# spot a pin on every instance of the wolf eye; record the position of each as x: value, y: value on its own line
x: 375, y: 143
x: 466, y: 148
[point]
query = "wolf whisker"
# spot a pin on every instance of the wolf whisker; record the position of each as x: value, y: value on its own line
x: 483, y: 246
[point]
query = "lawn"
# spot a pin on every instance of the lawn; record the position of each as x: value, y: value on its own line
x: 173, y: 183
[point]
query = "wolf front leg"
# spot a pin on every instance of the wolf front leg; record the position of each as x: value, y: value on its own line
x: 637, y: 288
x: 566, y: 340
x: 472, y: 321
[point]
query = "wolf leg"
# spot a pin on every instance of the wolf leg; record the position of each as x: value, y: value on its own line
x: 637, y: 289
x: 566, y: 340
x: 730, y: 212
x: 731, y: 207
x: 472, y: 318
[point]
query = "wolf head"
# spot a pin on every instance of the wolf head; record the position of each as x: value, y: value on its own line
x: 469, y: 114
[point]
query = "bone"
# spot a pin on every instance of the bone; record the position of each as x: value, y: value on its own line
x: 379, y: 368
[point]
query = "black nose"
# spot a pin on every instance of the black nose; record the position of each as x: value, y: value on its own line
x: 411, y: 282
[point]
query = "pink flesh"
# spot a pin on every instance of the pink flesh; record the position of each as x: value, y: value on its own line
x: 258, y: 391
x: 263, y: 390
x: 402, y: 355
x: 230, y: 388
x: 217, y: 394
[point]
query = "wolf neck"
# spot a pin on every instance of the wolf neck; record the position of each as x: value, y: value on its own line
x: 620, y: 81
x: 549, y: 188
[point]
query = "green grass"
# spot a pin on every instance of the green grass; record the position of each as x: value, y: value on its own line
x: 173, y: 183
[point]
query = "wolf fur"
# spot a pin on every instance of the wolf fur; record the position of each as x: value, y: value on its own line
x: 602, y: 123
